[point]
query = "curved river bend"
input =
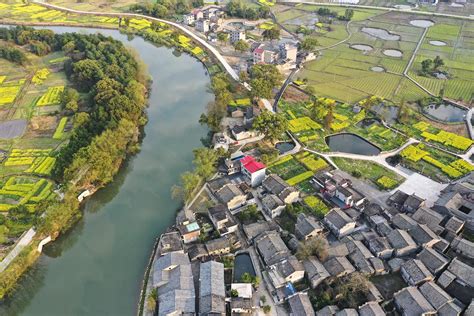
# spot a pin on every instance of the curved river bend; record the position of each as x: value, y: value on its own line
x: 97, y: 268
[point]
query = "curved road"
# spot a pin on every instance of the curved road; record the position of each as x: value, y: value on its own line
x: 203, y: 42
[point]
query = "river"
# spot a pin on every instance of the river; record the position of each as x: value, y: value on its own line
x: 97, y: 267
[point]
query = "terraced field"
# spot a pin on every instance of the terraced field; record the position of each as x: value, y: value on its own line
x: 28, y: 140
x: 363, y: 66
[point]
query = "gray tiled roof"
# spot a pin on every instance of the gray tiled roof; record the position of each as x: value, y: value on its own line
x: 434, y: 294
x: 228, y: 192
x: 451, y: 309
x: 315, y: 270
x: 411, y: 302
x: 289, y: 266
x: 422, y: 234
x: 432, y: 259
x: 462, y: 271
x: 416, y: 270
x: 338, y: 265
x: 306, y: 225
x: 403, y: 221
x: 211, y: 288
x: 338, y: 218
x: 371, y: 309
x: 400, y: 239
x: 271, y: 247
x: 300, y: 304
x: 463, y: 246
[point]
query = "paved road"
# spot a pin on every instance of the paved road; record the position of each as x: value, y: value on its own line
x: 22, y: 243
x: 198, y: 39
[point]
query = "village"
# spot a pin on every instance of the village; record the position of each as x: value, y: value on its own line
x: 238, y: 258
x: 244, y: 42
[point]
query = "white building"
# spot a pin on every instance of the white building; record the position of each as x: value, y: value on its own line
x: 237, y: 35
x: 253, y: 170
x: 202, y: 25
x: 188, y: 19
x: 288, y: 52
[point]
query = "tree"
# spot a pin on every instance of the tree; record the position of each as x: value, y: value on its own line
x: 426, y: 65
x: 320, y: 107
x: 263, y: 78
x: 272, y: 33
x: 243, y: 76
x: 241, y: 46
x: 348, y: 14
x: 437, y: 62
x: 188, y: 183
x: 309, y: 44
x: 151, y: 300
x: 69, y: 99
x: 86, y: 73
x: 205, y: 162
x: 267, y: 309
x: 271, y: 125
x: 316, y: 246
x: 234, y: 293
x: 222, y: 36
x: 246, y: 278
x: 329, y: 118
x: 369, y: 102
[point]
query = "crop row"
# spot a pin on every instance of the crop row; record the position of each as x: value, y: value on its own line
x: 58, y: 134
x: 51, y: 97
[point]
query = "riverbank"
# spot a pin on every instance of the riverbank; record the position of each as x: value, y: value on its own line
x: 178, y: 97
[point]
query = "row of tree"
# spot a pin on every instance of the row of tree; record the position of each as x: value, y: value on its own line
x: 13, y: 54
x: 166, y: 8
x: 347, y: 16
x: 240, y: 9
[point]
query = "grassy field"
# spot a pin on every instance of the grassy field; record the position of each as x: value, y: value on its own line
x: 347, y: 74
x: 380, y: 176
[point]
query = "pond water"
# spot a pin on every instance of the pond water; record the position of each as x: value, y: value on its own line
x: 438, y: 43
x: 446, y: 112
x: 307, y: 20
x: 389, y: 113
x: 393, y: 53
x: 284, y: 147
x: 362, y: 47
x: 377, y: 69
x: 243, y: 264
x: 381, y: 33
x: 422, y: 23
x: 97, y: 267
x: 351, y: 143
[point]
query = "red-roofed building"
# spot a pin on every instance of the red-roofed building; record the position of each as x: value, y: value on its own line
x: 253, y: 170
x: 258, y: 55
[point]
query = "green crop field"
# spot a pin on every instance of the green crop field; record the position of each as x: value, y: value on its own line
x: 346, y: 74
x: 25, y: 171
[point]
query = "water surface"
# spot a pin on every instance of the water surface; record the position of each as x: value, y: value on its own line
x: 97, y: 268
x: 352, y: 144
x: 446, y: 112
x: 381, y: 33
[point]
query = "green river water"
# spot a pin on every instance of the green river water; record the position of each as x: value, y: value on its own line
x: 97, y: 267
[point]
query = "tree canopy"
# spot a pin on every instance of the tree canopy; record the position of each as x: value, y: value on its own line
x: 263, y: 78
x: 271, y: 125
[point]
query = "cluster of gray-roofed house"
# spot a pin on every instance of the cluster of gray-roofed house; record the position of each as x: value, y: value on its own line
x: 426, y: 246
